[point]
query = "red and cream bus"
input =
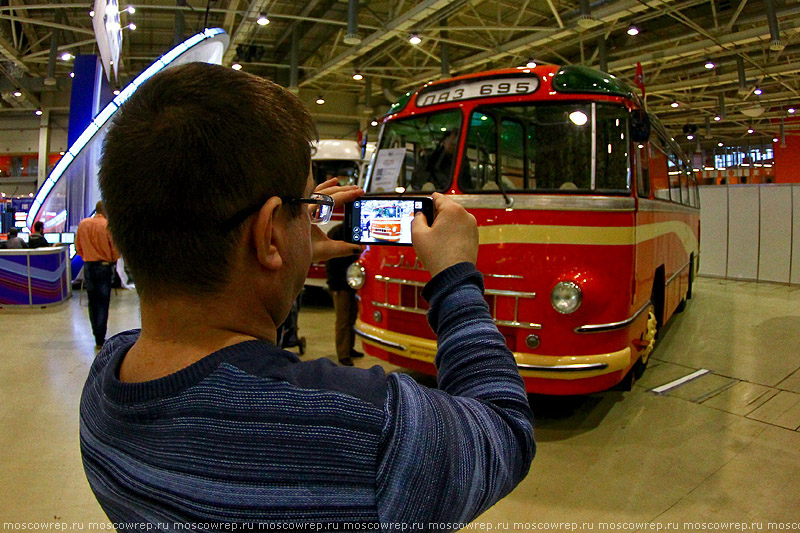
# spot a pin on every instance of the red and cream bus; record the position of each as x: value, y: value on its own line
x: 588, y: 219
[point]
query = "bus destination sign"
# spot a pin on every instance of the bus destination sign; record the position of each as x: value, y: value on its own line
x: 479, y: 89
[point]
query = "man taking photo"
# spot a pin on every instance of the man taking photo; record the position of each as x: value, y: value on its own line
x: 198, y: 418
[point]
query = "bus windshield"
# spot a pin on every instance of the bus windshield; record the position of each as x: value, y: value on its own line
x: 547, y: 147
x: 417, y: 154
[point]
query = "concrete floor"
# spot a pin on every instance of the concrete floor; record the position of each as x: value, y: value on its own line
x: 723, y: 448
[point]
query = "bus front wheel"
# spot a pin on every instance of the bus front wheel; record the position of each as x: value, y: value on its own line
x: 647, y: 342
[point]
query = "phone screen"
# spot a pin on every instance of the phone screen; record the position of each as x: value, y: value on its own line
x: 384, y: 220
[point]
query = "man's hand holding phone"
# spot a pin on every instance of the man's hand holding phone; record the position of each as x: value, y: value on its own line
x: 451, y: 239
x: 323, y: 248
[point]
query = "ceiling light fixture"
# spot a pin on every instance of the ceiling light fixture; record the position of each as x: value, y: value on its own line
x: 750, y: 130
x: 531, y: 63
x: 131, y: 10
x: 415, y: 39
x: 633, y: 30
x: 91, y: 13
x: 357, y: 76
x: 775, y: 139
x: 38, y: 112
x: 710, y: 64
x: 17, y: 93
x: 66, y: 56
x: 690, y: 137
x: 757, y: 91
x: 674, y: 104
x: 718, y: 118
x: 262, y: 20
x: 320, y: 100
x: 720, y: 145
x: 236, y: 66
x: 790, y: 111
x: 373, y: 122
x: 116, y: 92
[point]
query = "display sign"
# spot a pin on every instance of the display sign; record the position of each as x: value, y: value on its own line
x: 388, y: 164
x: 479, y: 89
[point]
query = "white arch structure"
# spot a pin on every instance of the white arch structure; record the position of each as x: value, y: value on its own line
x: 207, y: 46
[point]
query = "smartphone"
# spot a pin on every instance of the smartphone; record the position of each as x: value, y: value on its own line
x: 384, y: 219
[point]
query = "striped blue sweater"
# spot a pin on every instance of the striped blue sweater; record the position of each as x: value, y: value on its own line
x: 250, y: 436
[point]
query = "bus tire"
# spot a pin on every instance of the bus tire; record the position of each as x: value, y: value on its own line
x: 691, y: 277
x: 647, y: 343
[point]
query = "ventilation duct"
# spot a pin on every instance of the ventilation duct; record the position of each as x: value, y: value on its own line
x: 775, y: 45
x: 742, y: 77
x: 352, y: 23
x: 445, y: 52
x: 50, y: 79
x: 586, y: 20
x: 293, y: 61
x: 387, y: 91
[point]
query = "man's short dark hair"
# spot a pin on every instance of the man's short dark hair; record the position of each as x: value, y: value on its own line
x: 12, y: 232
x: 192, y: 147
x: 38, y: 226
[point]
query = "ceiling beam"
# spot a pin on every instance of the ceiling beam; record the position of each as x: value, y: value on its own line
x: 403, y: 23
x: 39, y: 22
x: 724, y: 79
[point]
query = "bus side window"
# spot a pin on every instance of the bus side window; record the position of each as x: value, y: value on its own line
x: 684, y: 186
x: 658, y: 173
x: 513, y: 157
x: 612, y: 164
x: 692, y: 191
x: 674, y: 171
x: 642, y: 171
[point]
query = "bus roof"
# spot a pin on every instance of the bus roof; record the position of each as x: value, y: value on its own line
x: 571, y: 79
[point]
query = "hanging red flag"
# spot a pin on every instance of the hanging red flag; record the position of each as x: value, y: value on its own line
x: 639, y: 79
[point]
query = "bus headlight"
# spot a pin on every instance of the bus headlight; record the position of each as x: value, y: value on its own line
x: 356, y: 275
x: 566, y: 297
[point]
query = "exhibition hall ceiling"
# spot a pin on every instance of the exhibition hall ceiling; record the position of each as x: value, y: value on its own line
x: 721, y: 65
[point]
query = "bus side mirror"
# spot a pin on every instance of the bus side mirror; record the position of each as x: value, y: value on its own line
x: 640, y: 126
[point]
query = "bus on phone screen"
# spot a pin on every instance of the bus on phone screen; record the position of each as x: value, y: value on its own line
x: 588, y: 219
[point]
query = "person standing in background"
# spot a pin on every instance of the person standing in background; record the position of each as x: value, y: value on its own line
x: 14, y: 242
x: 93, y: 243
x: 344, y: 302
x: 37, y: 240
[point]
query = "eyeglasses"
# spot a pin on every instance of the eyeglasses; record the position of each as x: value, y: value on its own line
x: 321, y: 207
x: 320, y: 210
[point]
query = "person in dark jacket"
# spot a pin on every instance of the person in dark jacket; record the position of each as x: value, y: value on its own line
x: 344, y: 302
x: 37, y: 240
x: 13, y: 241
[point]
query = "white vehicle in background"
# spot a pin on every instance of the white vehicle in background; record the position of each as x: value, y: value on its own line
x: 346, y: 160
x: 341, y: 159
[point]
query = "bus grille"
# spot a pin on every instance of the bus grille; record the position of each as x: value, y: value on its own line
x: 406, y: 295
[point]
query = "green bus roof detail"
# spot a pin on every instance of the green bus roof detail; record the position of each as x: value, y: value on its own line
x: 579, y: 79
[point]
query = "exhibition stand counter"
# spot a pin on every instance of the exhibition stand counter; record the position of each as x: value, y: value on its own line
x: 35, y: 277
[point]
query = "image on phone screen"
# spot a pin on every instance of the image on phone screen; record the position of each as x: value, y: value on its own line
x: 383, y: 221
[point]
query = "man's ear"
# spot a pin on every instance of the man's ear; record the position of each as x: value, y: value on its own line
x: 264, y: 234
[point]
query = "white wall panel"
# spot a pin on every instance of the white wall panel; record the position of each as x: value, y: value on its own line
x: 795, y: 278
x: 743, y: 232
x: 775, y: 250
x: 713, y: 230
